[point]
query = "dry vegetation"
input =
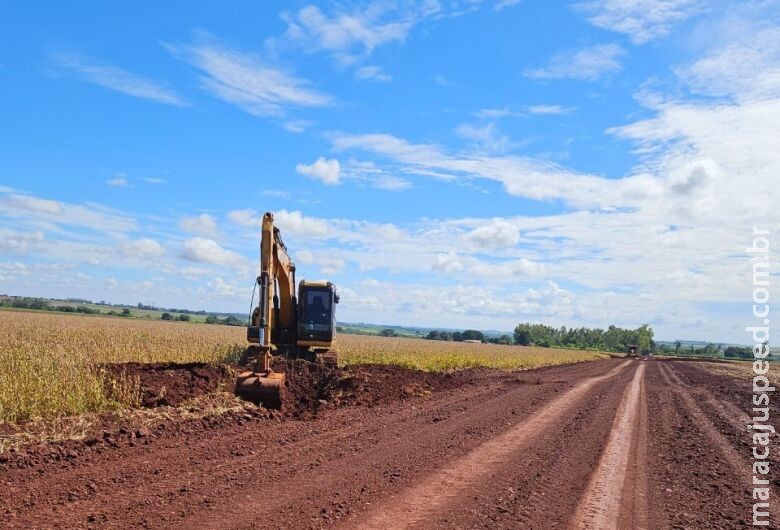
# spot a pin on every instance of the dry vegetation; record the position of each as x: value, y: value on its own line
x: 434, y: 355
x: 50, y: 363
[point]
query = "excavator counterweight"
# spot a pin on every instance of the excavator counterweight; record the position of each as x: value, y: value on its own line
x: 294, y: 326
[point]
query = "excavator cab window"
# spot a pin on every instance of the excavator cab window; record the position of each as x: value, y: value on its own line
x: 316, y: 318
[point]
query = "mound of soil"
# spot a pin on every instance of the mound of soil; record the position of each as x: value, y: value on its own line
x: 171, y: 383
x: 310, y: 386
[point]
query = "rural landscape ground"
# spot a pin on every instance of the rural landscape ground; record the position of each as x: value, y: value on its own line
x: 602, y: 443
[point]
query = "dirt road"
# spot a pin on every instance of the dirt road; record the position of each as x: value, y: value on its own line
x: 605, y: 444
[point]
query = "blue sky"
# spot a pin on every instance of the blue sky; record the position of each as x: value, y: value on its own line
x: 462, y: 164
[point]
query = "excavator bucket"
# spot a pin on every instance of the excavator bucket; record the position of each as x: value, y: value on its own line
x: 264, y: 388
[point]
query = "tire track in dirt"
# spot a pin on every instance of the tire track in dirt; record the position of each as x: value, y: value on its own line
x: 416, y: 505
x: 699, y: 477
x: 616, y: 494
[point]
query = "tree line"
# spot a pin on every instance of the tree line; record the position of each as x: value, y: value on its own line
x: 456, y: 336
x: 612, y: 339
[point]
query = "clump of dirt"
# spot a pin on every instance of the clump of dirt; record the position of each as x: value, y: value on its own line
x: 171, y: 383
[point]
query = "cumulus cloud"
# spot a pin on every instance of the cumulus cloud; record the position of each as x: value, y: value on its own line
x: 204, y: 250
x: 296, y: 223
x: 328, y: 171
x: 247, y: 217
x: 144, y: 247
x: 496, y: 234
x: 203, y: 224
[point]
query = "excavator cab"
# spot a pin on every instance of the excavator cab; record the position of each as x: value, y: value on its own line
x: 316, y: 314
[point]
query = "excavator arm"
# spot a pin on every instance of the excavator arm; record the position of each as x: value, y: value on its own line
x: 274, y: 318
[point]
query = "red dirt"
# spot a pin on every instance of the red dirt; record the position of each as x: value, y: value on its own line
x: 170, y: 384
x: 512, y: 451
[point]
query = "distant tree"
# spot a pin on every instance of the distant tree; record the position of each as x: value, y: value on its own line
x: 211, y: 319
x: 677, y: 346
x: 522, y: 335
x: 644, y: 338
x: 388, y: 332
x: 473, y: 334
x: 166, y: 316
x: 233, y: 321
x: 447, y: 336
x: 183, y: 318
x: 457, y: 336
x: 434, y: 334
x: 126, y: 312
x: 503, y: 339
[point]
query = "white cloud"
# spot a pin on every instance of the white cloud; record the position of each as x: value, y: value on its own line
x: 548, y: 109
x: 521, y: 176
x: 486, y: 137
x: 372, y: 73
x: 641, y: 20
x: 587, y: 64
x: 368, y: 173
x: 20, y: 242
x: 227, y: 289
x: 497, y: 234
x: 296, y: 223
x: 154, y: 180
x: 391, y: 183
x: 329, y: 265
x: 448, y: 263
x: 248, y: 81
x: 249, y: 218
x: 305, y: 257
x: 349, y: 35
x: 33, y: 204
x: 328, y: 171
x: 141, y: 248
x: 494, y: 114
x: 503, y: 4
x: 747, y: 69
x: 297, y: 126
x: 203, y: 224
x: 118, y: 181
x: 115, y: 78
x: 204, y: 250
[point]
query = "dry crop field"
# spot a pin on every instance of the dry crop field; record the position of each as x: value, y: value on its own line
x: 50, y: 364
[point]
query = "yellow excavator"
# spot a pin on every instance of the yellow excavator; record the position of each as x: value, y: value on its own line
x: 302, y: 326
